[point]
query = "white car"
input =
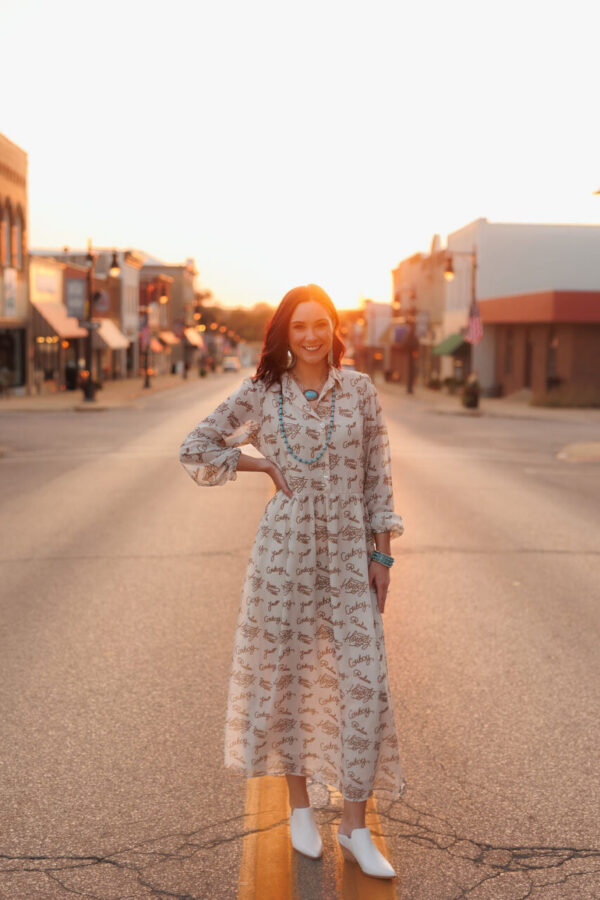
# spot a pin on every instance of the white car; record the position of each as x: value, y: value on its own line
x: 231, y: 364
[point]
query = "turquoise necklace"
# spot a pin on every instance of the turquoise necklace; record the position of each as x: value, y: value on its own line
x: 329, y: 430
x: 309, y: 393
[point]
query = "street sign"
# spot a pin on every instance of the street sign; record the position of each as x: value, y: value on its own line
x: 91, y: 326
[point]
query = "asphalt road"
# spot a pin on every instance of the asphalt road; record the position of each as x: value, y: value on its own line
x: 120, y: 584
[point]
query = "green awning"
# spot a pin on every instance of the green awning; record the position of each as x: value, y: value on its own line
x: 449, y: 345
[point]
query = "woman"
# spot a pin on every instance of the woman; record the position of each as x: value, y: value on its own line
x: 308, y: 693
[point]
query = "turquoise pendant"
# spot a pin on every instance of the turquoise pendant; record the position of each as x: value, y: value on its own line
x: 310, y: 394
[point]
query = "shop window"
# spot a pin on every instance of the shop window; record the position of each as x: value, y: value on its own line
x: 18, y: 237
x: 528, y: 357
x: 6, y: 237
x: 552, y: 378
x: 510, y: 349
x: 12, y: 358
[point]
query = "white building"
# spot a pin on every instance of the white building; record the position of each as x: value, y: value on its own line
x: 509, y: 260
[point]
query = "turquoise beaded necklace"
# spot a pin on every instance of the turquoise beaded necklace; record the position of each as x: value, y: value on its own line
x: 329, y: 430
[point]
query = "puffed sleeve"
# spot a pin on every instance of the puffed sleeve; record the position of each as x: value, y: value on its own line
x: 210, y: 452
x: 378, y: 491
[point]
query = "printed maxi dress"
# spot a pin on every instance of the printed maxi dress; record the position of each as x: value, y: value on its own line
x: 308, y: 691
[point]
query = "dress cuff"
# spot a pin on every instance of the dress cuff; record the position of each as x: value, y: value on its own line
x: 387, y: 521
x: 221, y: 469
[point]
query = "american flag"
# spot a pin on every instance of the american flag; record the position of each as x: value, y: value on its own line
x: 474, y: 331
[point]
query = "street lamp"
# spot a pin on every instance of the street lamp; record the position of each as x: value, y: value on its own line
x: 410, y: 343
x: 449, y: 269
x: 115, y: 269
x: 89, y: 387
x: 449, y: 276
x: 145, y: 335
x: 411, y: 319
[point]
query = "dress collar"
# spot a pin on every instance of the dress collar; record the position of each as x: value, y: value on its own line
x: 293, y: 394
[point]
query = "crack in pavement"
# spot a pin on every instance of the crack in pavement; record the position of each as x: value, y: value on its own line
x: 518, y: 872
x: 186, y: 847
x: 499, y: 861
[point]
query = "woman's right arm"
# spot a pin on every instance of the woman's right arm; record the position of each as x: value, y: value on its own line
x: 211, y: 453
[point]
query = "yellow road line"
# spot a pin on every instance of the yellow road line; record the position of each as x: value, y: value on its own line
x: 352, y: 883
x: 267, y: 871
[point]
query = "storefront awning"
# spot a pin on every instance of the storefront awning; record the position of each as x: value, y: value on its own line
x: 449, y: 345
x: 194, y: 338
x: 108, y: 336
x: 167, y: 337
x: 55, y: 315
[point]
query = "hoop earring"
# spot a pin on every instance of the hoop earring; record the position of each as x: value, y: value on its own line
x: 290, y: 360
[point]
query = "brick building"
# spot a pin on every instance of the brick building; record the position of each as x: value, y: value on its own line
x: 15, y: 370
x: 545, y: 339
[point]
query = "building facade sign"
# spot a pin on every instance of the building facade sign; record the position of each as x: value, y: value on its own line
x: 46, y: 283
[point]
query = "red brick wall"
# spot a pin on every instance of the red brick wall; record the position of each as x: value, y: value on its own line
x: 586, y: 355
x: 539, y: 357
x: 577, y: 355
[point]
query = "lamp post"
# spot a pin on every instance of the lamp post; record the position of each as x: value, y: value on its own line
x: 411, y: 319
x: 89, y: 387
x: 151, y: 318
x: 449, y: 270
x: 410, y: 342
x: 185, y: 350
x: 449, y: 273
x: 145, y: 341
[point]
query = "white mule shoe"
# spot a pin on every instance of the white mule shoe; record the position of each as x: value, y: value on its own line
x: 305, y: 834
x: 359, y: 848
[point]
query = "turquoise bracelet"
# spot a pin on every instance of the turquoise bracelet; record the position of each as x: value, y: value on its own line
x: 384, y: 558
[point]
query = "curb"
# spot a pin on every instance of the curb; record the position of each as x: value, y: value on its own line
x: 580, y: 452
x: 89, y: 407
x: 128, y: 402
x: 549, y: 414
x: 470, y: 413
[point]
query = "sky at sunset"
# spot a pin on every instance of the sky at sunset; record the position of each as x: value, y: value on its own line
x: 281, y: 143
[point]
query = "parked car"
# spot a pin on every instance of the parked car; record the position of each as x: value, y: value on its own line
x: 231, y: 364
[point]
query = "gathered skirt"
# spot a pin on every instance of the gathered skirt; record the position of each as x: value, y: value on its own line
x: 308, y: 691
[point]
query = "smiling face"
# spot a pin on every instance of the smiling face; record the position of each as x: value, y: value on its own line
x: 310, y: 332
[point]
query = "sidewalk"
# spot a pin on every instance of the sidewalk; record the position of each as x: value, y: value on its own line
x: 120, y: 393
x: 515, y: 406
x: 124, y: 392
